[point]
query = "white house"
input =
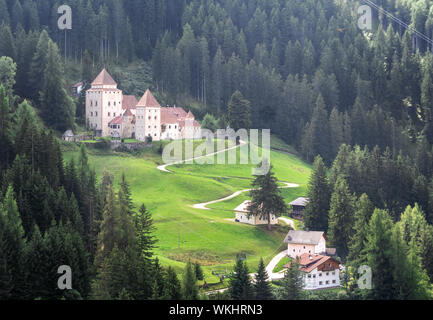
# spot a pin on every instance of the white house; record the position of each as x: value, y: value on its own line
x: 242, y: 212
x: 310, y: 242
x: 319, y: 272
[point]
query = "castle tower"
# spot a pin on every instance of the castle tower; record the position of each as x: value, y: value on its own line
x: 148, y: 118
x: 103, y: 103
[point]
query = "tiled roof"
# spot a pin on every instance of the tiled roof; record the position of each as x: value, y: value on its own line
x: 148, y: 100
x: 168, y: 116
x: 189, y: 115
x: 129, y: 102
x: 117, y: 120
x: 196, y: 124
x: 78, y: 84
x: 304, y: 237
x: 104, y: 78
x: 309, y: 262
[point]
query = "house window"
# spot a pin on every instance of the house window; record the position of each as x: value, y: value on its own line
x: 320, y: 274
x: 327, y: 273
x: 108, y: 103
x: 109, y: 114
x: 114, y: 102
x: 175, y: 127
x: 304, y: 247
x: 114, y: 114
x: 169, y: 127
x: 309, y: 276
x: 91, y: 114
x: 91, y: 103
x: 294, y: 250
x: 156, y: 118
x: 320, y: 283
x: 96, y: 114
x: 327, y: 282
x: 333, y: 281
x: 150, y: 118
x: 96, y: 103
x: 333, y: 273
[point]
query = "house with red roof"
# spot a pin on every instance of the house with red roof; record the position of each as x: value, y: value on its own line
x: 318, y: 271
x: 111, y: 113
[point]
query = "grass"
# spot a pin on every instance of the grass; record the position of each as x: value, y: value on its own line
x: 280, y: 266
x: 207, y: 237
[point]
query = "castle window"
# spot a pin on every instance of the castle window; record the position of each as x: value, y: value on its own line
x: 91, y: 114
x: 108, y: 103
x: 150, y: 117
x: 109, y: 114
x: 91, y: 103
x: 114, y: 114
x: 169, y: 127
x: 96, y: 114
x: 114, y: 102
x: 96, y: 103
x: 156, y: 118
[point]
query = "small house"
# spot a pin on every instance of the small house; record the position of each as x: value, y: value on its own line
x: 68, y: 136
x: 300, y: 242
x: 242, y: 212
x: 298, y: 207
x: 318, y: 271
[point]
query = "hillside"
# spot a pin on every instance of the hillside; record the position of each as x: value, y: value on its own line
x: 207, y: 237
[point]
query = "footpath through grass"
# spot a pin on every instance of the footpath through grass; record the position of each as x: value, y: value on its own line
x: 209, y: 237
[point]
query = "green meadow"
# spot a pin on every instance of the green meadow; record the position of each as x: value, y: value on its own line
x: 210, y: 237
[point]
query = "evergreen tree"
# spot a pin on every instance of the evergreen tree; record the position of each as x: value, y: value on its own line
x: 239, y: 112
x: 240, y: 286
x: 57, y: 107
x: 341, y: 217
x: 173, y: 288
x: 292, y: 283
x: 319, y: 193
x: 7, y: 42
x: 266, y: 197
x: 262, y: 287
x: 189, y: 283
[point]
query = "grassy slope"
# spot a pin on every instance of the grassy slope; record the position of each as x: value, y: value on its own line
x: 205, y: 236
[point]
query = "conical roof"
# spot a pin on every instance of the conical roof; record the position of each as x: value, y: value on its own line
x: 148, y: 100
x: 104, y: 78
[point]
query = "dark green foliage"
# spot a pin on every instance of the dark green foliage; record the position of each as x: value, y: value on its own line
x: 240, y: 286
x: 239, y: 112
x: 292, y: 284
x: 266, y: 197
x: 319, y: 193
x: 189, y: 283
x: 262, y: 287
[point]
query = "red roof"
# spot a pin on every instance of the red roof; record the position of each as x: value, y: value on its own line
x: 128, y: 113
x: 129, y: 102
x: 117, y: 120
x: 168, y: 116
x: 309, y: 262
x: 190, y: 115
x: 104, y: 78
x: 78, y: 84
x: 196, y: 123
x: 148, y: 100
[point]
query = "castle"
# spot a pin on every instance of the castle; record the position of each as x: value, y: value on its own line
x: 112, y: 114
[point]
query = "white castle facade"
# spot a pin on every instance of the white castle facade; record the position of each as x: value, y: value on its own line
x: 111, y: 114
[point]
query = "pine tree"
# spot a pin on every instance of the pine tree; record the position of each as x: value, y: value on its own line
x: 240, y: 287
x: 319, y: 193
x: 173, y: 288
x: 292, y: 283
x: 39, y: 65
x: 54, y: 95
x: 239, y: 112
x: 363, y: 212
x: 145, y: 232
x: 341, y: 217
x: 7, y: 42
x: 378, y: 251
x: 198, y: 271
x: 189, y: 283
x: 266, y: 197
x: 262, y: 287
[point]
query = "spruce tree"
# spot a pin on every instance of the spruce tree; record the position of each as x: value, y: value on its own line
x: 319, y: 193
x: 263, y: 289
x: 172, y: 288
x: 266, y: 197
x: 57, y: 107
x: 341, y: 217
x: 239, y: 112
x: 240, y: 287
x: 292, y: 287
x: 189, y: 283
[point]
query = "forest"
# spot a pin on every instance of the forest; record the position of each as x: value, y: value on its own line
x: 358, y: 104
